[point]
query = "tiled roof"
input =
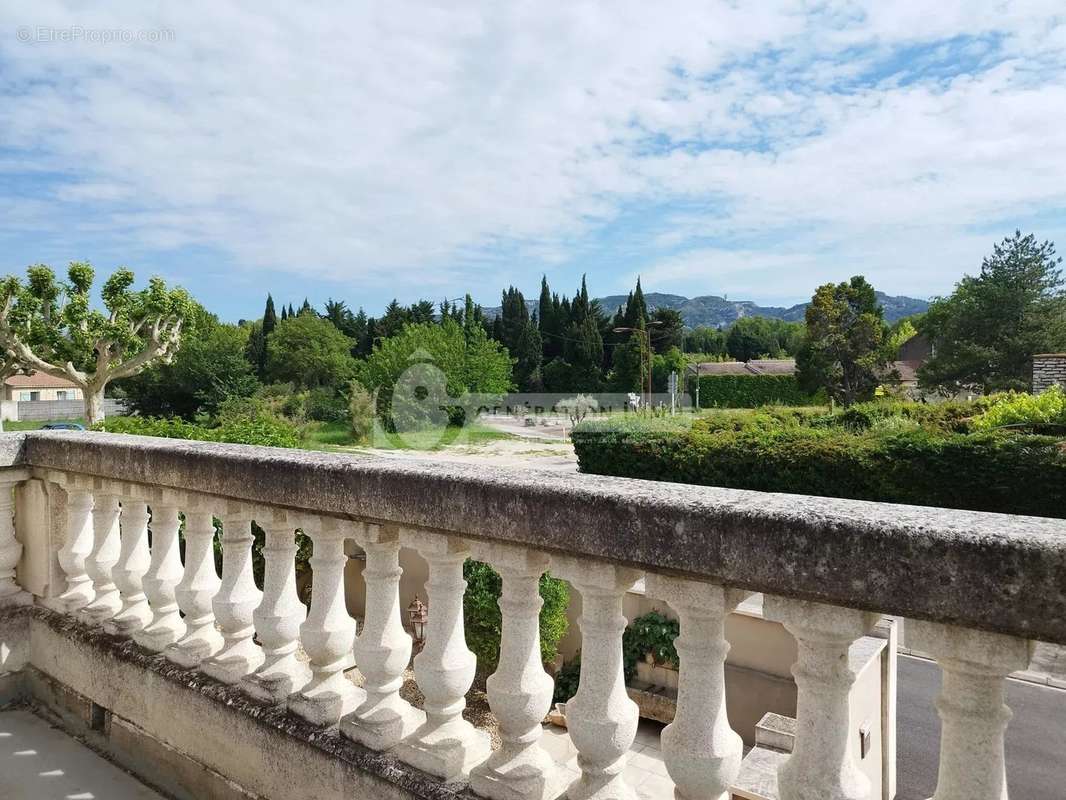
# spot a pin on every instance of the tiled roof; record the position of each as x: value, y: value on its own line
x: 39, y: 380
x: 767, y: 366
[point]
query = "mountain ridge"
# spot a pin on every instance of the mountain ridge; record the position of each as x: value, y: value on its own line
x: 713, y: 311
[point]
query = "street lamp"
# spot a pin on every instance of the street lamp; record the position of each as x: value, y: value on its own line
x: 419, y: 615
x: 647, y: 350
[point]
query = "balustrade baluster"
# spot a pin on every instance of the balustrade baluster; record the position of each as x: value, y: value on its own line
x: 278, y: 618
x: 601, y: 718
x: 164, y: 572
x: 106, y: 601
x: 236, y: 601
x: 701, y: 752
x: 383, y: 649
x: 197, y: 589
x: 446, y: 745
x: 328, y: 633
x: 520, y: 691
x: 128, y: 573
x: 11, y: 594
x: 822, y: 765
x: 77, y: 543
x: 972, y: 707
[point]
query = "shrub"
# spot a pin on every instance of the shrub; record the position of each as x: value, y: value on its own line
x: 926, y: 465
x: 577, y: 408
x: 252, y: 428
x: 567, y: 680
x: 750, y: 391
x: 1045, y: 411
x: 651, y: 633
x: 324, y: 404
x: 481, y: 612
x: 360, y: 411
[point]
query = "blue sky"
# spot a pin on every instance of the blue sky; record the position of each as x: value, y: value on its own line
x: 424, y: 150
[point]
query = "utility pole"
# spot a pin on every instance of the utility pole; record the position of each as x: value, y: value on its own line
x: 645, y: 354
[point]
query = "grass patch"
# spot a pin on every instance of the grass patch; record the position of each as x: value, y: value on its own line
x: 473, y: 434
x: 35, y: 424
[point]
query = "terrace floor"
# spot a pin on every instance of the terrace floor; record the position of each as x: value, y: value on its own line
x: 39, y: 762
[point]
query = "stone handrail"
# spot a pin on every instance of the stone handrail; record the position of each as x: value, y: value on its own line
x: 976, y: 586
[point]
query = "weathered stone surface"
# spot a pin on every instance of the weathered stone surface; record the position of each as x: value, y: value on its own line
x: 991, y: 571
x: 257, y: 746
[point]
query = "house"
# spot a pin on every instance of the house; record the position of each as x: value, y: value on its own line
x: 40, y: 386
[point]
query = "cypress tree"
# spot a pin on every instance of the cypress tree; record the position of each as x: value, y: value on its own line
x: 270, y: 318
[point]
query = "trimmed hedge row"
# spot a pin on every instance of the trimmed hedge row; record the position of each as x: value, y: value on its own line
x: 749, y: 391
x: 993, y: 471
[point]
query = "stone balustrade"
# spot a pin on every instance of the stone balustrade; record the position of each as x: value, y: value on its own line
x: 978, y: 588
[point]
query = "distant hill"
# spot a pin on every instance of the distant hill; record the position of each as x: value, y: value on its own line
x: 713, y: 311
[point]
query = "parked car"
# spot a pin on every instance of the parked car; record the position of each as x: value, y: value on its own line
x: 62, y: 426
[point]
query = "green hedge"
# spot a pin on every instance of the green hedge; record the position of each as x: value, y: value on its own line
x: 262, y: 430
x: 898, y: 462
x: 749, y: 391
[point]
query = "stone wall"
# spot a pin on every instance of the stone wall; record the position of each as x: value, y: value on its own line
x: 1049, y: 369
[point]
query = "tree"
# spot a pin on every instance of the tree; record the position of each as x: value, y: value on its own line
x: 270, y: 317
x: 309, y: 351
x: 759, y: 337
x: 668, y: 333
x: 985, y: 333
x: 9, y: 365
x: 340, y: 315
x: 529, y: 355
x: 513, y: 319
x: 843, y: 351
x: 209, y: 369
x: 479, y: 365
x: 629, y: 369
x: 51, y: 327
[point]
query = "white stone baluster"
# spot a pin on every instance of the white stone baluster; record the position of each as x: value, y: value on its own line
x: 199, y: 585
x: 328, y: 633
x: 128, y: 572
x: 383, y: 649
x: 973, y: 714
x: 278, y: 618
x: 822, y: 765
x: 236, y: 601
x: 78, y: 542
x: 601, y: 718
x: 106, y: 601
x: 164, y: 572
x: 11, y: 594
x: 520, y: 691
x: 701, y: 752
x: 446, y: 745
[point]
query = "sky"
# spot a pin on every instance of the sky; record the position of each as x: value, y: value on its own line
x: 370, y: 150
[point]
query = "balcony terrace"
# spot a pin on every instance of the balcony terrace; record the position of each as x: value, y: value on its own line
x: 193, y: 681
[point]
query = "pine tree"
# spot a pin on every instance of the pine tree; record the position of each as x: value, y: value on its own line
x: 306, y: 307
x: 284, y: 313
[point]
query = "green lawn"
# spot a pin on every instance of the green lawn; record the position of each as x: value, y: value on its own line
x: 36, y: 424
x: 333, y: 435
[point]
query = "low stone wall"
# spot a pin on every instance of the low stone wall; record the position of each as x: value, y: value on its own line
x: 1049, y: 369
x: 188, y: 734
x: 64, y: 409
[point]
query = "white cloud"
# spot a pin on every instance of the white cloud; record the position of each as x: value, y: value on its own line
x: 416, y: 143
